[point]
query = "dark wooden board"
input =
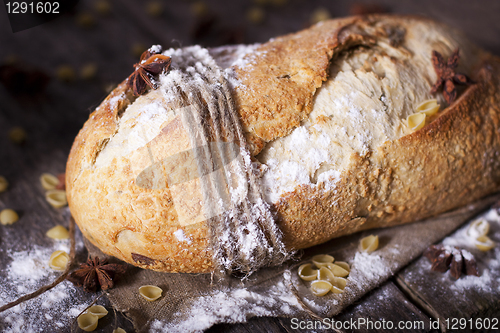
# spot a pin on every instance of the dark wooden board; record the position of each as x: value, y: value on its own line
x: 473, y: 298
x: 53, y: 117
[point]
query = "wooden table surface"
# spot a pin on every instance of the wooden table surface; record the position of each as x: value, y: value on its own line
x: 52, y: 113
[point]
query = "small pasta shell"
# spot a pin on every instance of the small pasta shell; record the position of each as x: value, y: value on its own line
x: 18, y: 135
x: 56, y: 198
x: 88, y: 72
x: 119, y: 330
x: 8, y: 216
x: 306, y: 272
x: 154, y: 8
x: 87, y: 322
x: 344, y: 265
x: 338, y: 270
x: 49, y: 181
x: 416, y: 121
x: 368, y: 244
x: 429, y: 107
x: 98, y: 310
x: 338, y: 285
x: 320, y: 287
x: 321, y: 260
x: 325, y: 274
x: 319, y: 15
x: 484, y: 243
x: 59, y: 260
x: 58, y: 232
x: 150, y: 293
x: 4, y: 184
x: 479, y: 227
x: 66, y: 73
x: 103, y: 7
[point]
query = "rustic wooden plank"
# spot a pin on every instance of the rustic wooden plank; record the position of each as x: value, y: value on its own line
x: 469, y: 298
x: 382, y: 310
x: 254, y: 325
x: 22, y: 165
x: 51, y: 122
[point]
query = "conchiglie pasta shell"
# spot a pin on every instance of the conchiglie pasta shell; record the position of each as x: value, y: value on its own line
x: 49, y: 181
x: 325, y: 274
x: 338, y: 270
x: 56, y: 198
x: 430, y: 107
x: 484, y: 243
x: 320, y: 287
x: 416, y: 121
x: 338, y: 285
x: 344, y: 265
x: 98, y: 310
x: 150, y: 293
x: 479, y: 227
x: 87, y: 322
x: 119, y: 330
x: 4, y: 184
x: 321, y: 260
x: 58, y: 232
x: 368, y: 244
x: 8, y: 216
x: 306, y: 272
x: 58, y: 260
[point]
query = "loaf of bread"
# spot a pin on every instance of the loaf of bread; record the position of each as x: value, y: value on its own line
x: 324, y: 113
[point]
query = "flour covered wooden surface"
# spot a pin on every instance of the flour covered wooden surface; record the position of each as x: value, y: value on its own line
x: 441, y: 294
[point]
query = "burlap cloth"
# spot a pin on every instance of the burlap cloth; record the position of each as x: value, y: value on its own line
x: 243, y: 233
x: 194, y: 302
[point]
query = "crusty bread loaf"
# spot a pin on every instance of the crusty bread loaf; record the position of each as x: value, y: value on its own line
x: 324, y: 112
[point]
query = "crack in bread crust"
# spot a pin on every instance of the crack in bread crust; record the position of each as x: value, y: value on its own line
x: 449, y: 163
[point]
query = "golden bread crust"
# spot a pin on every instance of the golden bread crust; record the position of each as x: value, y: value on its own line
x: 286, y: 74
x: 107, y: 204
x: 448, y: 163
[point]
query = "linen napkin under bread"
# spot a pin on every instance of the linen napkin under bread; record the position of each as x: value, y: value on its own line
x: 195, y: 302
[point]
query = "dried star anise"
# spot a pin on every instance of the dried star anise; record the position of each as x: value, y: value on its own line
x: 457, y: 260
x: 96, y: 273
x: 150, y: 65
x: 447, y: 77
x: 442, y: 262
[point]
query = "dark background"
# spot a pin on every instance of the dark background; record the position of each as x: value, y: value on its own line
x: 54, y: 75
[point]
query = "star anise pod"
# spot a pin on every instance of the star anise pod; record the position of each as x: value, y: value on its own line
x: 459, y: 261
x: 447, y: 76
x: 442, y: 262
x: 96, y: 273
x: 151, y: 64
x: 470, y: 266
